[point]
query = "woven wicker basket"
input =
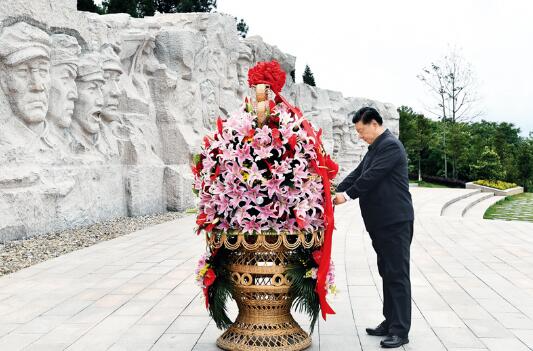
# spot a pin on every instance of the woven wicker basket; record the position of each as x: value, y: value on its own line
x: 257, y: 267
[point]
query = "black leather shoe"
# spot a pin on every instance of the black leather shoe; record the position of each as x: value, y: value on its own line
x: 380, y: 330
x: 393, y: 341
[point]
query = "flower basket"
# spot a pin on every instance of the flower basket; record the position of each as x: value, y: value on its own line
x: 265, y: 208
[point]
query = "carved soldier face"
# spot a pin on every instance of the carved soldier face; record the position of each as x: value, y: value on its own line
x: 243, y: 65
x: 27, y: 86
x: 63, y: 94
x: 211, y: 109
x: 111, y: 93
x: 88, y: 108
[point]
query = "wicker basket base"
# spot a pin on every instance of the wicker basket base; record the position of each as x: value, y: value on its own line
x: 284, y: 335
x: 262, y: 291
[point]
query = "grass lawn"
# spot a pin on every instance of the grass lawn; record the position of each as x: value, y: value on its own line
x: 428, y: 185
x: 517, y: 207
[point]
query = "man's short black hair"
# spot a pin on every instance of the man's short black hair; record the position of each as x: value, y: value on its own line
x: 366, y: 115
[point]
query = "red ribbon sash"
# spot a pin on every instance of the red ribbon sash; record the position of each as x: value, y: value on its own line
x: 322, y: 171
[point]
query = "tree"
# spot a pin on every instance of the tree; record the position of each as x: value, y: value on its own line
x: 488, y: 166
x: 123, y: 6
x: 89, y: 6
x: 195, y: 5
x: 452, y: 86
x: 524, y: 163
x: 456, y: 146
x: 242, y: 27
x: 141, y: 8
x: 415, y: 134
x: 308, y: 77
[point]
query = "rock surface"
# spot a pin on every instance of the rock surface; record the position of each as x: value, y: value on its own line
x: 100, y: 115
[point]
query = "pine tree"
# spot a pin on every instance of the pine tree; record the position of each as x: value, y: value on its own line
x: 308, y: 77
x: 242, y: 27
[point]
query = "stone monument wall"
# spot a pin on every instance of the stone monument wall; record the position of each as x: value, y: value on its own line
x: 100, y: 115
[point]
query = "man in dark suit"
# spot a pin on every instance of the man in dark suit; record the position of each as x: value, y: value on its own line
x: 382, y: 185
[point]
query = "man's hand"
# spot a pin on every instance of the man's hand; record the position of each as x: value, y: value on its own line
x: 338, y: 199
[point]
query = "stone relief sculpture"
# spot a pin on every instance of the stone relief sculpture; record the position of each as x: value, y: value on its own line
x: 63, y: 91
x: 105, y: 112
x: 244, y: 62
x: 25, y: 79
x: 88, y: 107
x: 111, y: 125
x: 210, y: 108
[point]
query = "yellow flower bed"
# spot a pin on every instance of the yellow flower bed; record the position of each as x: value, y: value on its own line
x: 497, y: 184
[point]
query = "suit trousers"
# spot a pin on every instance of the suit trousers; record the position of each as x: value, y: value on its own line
x: 392, y: 245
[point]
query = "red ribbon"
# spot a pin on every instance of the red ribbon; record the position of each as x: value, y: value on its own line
x: 329, y: 224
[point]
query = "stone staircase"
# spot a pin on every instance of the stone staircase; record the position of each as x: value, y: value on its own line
x: 471, y: 204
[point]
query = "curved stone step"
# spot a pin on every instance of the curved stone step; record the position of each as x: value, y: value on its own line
x: 464, y: 195
x: 479, y: 209
x: 457, y: 208
x: 476, y: 201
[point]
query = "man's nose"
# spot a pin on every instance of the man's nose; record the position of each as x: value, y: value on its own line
x: 37, y: 81
x: 73, y: 93
x: 99, y: 101
x: 115, y: 90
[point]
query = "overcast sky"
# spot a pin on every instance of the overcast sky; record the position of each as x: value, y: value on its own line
x: 375, y: 49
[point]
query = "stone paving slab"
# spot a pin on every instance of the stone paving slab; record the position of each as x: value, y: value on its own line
x: 472, y: 289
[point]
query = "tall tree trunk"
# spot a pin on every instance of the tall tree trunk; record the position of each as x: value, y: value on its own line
x: 419, y: 170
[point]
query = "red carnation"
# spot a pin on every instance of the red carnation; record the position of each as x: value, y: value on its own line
x: 267, y: 73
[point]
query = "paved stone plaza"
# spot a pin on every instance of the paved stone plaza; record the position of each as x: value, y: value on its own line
x: 472, y: 289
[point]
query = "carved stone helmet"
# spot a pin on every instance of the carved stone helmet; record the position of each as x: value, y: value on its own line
x: 21, y: 42
x: 65, y: 50
x: 110, y: 58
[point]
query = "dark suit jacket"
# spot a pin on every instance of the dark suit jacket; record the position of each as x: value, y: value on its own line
x: 381, y: 183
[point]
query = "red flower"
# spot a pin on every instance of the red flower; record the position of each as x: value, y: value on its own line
x: 317, y: 256
x: 250, y: 135
x: 200, y: 220
x: 206, y: 142
x: 276, y: 137
x: 209, y: 277
x: 292, y: 141
x: 210, y: 227
x: 271, y: 106
x: 219, y: 125
x: 194, y: 170
x: 217, y: 172
x: 299, y: 220
x: 273, y: 122
x: 267, y: 73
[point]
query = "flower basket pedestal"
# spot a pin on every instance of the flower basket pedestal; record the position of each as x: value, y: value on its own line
x: 261, y: 289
